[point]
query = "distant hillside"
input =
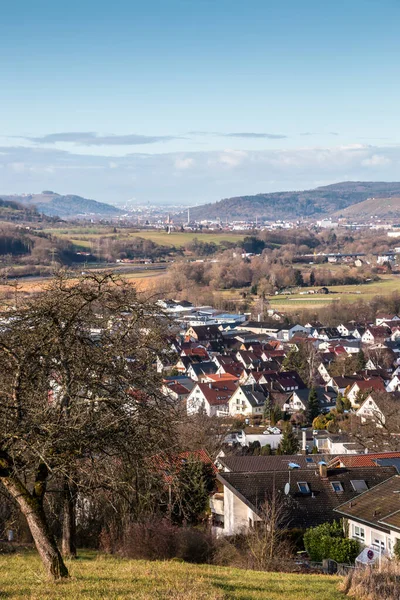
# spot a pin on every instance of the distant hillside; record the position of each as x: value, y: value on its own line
x: 387, y: 208
x: 314, y: 203
x: 14, y: 212
x: 68, y: 206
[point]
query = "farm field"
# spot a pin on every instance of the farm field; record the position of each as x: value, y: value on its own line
x: 85, y: 237
x: 97, y: 577
x: 142, y: 280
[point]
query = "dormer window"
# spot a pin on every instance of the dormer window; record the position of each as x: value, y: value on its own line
x: 303, y: 486
x: 337, y: 486
x: 359, y: 485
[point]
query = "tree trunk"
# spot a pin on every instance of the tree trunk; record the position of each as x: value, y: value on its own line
x: 68, y: 543
x: 44, y: 540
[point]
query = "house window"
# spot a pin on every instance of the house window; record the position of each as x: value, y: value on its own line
x: 359, y: 532
x: 337, y: 486
x: 303, y: 487
x: 379, y: 544
x: 359, y: 485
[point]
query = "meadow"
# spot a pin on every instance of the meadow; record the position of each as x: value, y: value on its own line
x: 84, y: 237
x: 100, y: 577
x: 386, y: 285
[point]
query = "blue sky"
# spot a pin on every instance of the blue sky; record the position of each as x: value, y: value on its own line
x: 193, y: 100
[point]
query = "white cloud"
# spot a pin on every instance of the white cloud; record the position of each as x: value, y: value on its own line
x: 376, y: 160
x: 191, y: 177
x: 183, y: 163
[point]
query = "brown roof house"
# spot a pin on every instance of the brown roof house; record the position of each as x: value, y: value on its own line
x: 374, y: 516
x: 308, y: 497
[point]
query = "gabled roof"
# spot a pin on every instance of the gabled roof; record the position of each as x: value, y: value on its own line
x: 204, y: 368
x: 265, y: 464
x: 178, y: 388
x: 169, y: 464
x: 207, y: 332
x: 217, y: 395
x: 378, y: 507
x: 376, y: 384
x: 255, y: 394
x: 304, y: 509
x: 378, y: 331
x: 361, y: 460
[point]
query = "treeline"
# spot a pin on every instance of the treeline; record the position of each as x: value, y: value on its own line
x: 266, y: 274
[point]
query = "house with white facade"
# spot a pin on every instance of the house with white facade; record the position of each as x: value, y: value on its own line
x: 374, y: 518
x: 359, y: 388
x: 375, y: 334
x: 379, y: 407
x: 210, y: 398
x: 311, y: 494
x: 248, y: 400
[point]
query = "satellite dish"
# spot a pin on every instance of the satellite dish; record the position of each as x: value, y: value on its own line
x: 287, y: 488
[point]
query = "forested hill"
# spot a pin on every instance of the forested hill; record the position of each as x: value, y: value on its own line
x: 13, y: 212
x: 321, y: 201
x: 68, y: 206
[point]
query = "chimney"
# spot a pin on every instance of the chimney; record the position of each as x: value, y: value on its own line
x: 323, y: 471
x: 259, y: 317
x: 304, y: 442
x: 210, y: 385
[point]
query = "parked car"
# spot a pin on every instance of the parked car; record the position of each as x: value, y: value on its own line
x: 273, y: 430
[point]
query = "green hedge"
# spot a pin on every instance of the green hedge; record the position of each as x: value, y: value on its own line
x: 328, y: 541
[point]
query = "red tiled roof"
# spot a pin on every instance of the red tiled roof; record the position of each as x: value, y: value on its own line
x: 216, y: 393
x: 361, y: 460
x: 375, y: 383
x: 215, y: 377
x: 168, y: 465
x: 178, y: 388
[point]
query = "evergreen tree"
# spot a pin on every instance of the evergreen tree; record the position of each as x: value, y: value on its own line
x: 339, y: 403
x: 312, y: 278
x: 289, y: 443
x: 296, y: 360
x: 361, y: 361
x: 313, y: 405
x: 266, y: 450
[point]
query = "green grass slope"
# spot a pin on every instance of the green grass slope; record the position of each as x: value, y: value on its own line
x: 96, y: 577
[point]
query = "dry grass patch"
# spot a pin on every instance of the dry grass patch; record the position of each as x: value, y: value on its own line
x: 99, y: 577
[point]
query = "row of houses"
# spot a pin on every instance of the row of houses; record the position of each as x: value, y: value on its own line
x: 364, y: 489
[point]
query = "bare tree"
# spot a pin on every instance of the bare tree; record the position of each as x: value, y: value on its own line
x: 380, y: 429
x: 77, y: 390
x: 266, y: 540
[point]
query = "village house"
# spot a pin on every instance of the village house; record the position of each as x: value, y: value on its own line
x: 360, y: 388
x: 210, y: 398
x: 379, y: 407
x: 375, y: 334
x: 198, y: 371
x: 248, y: 400
x: 298, y: 400
x: 374, y: 518
x: 312, y: 495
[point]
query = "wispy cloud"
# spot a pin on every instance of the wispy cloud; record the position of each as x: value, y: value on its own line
x: 255, y: 136
x: 307, y: 133
x: 191, y: 177
x: 90, y: 138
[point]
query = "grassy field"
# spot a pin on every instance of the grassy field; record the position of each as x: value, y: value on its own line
x: 96, y: 577
x: 86, y: 237
x: 348, y: 293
